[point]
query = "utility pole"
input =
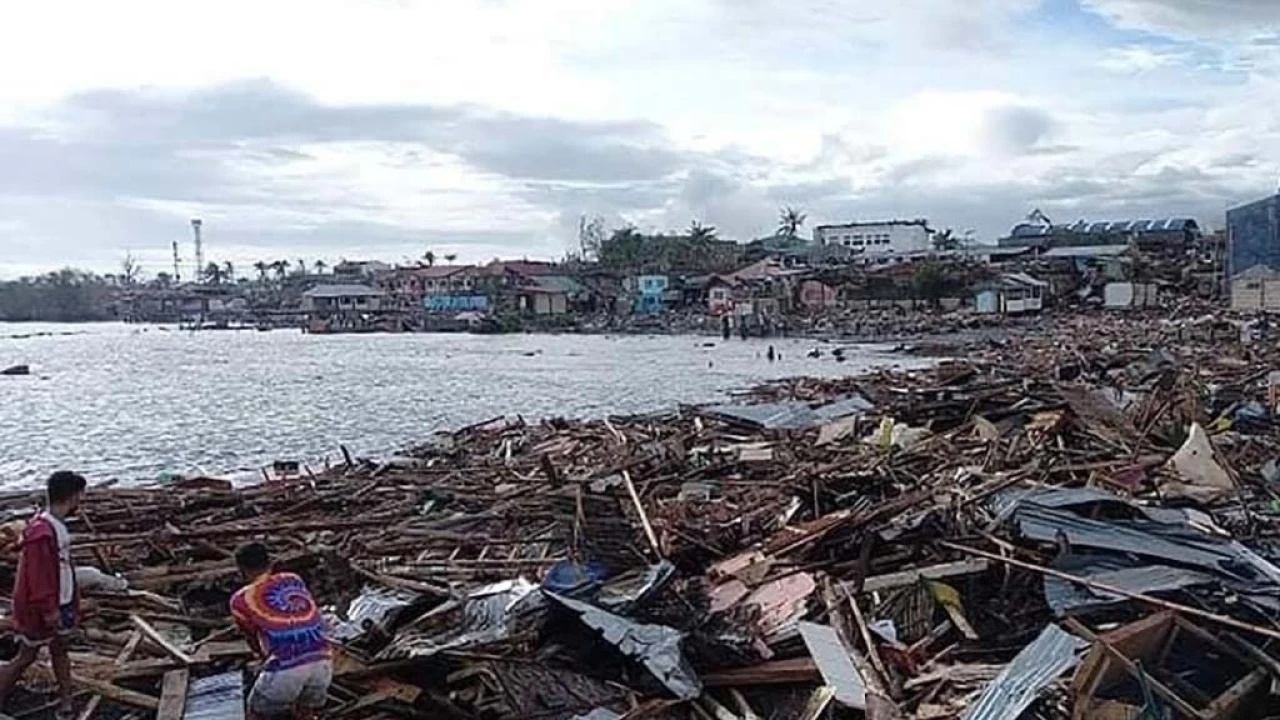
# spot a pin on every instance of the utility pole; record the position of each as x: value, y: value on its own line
x: 177, y: 273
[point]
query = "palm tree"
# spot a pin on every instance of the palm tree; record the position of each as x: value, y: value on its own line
x: 262, y: 268
x: 129, y: 269
x: 229, y: 271
x: 280, y: 267
x: 789, y: 221
x: 699, y: 232
x: 164, y: 279
x: 213, y: 274
x: 320, y: 266
x: 430, y: 258
x: 450, y: 258
x: 945, y: 240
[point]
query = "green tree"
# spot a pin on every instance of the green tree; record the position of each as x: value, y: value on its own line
x: 262, y: 267
x: 945, y: 241
x: 591, y: 236
x: 430, y: 258
x: 229, y: 271
x: 320, y: 266
x: 451, y: 258
x: 930, y: 281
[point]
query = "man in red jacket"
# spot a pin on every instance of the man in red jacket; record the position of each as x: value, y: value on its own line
x: 45, y: 601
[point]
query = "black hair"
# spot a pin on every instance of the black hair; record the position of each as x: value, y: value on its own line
x: 253, y: 557
x: 63, y: 485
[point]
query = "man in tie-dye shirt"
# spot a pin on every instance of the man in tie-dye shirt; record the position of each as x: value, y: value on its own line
x: 279, y: 617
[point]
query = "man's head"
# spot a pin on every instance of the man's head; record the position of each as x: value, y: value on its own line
x: 253, y: 560
x: 65, y: 489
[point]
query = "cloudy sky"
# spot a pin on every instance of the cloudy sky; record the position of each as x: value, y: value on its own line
x: 381, y: 128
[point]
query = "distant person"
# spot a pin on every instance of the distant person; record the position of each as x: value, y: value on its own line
x: 45, y: 600
x: 772, y: 355
x: 279, y: 617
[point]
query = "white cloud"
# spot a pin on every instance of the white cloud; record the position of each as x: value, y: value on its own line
x: 1219, y: 19
x: 340, y: 126
x: 1137, y: 59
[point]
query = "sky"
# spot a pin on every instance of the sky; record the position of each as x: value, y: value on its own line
x: 331, y: 129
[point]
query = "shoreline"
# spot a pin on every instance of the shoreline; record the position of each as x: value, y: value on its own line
x: 720, y: 527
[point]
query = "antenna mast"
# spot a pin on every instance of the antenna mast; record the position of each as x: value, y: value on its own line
x: 195, y: 228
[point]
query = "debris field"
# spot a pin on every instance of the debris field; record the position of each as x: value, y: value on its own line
x: 1075, y: 522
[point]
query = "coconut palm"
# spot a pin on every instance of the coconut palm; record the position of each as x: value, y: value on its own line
x: 450, y: 258
x: 262, y: 268
x: 229, y: 270
x: 320, y: 266
x: 430, y: 258
x: 789, y: 221
x: 213, y: 274
x: 699, y: 232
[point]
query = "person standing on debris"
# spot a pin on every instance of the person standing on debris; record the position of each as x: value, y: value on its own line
x: 279, y: 617
x: 45, y: 600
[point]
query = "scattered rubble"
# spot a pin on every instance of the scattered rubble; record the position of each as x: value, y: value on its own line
x: 1075, y: 523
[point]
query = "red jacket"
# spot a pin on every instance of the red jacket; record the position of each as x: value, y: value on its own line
x: 35, y: 594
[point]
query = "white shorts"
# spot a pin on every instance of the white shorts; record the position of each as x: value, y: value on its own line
x: 279, y: 692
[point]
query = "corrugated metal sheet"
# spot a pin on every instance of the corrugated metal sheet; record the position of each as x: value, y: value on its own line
x: 1030, y: 672
x: 657, y: 647
x: 833, y: 661
x: 790, y: 415
x: 1068, y: 598
x: 217, y: 697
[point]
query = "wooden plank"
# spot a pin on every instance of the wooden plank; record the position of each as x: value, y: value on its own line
x: 154, y: 636
x: 130, y: 647
x: 173, y: 695
x: 888, y: 581
x: 116, y: 693
x: 644, y: 518
x: 1226, y: 704
x: 1181, y: 706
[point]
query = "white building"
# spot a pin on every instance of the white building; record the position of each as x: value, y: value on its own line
x: 895, y: 237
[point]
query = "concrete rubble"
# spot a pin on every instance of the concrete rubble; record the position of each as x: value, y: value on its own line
x: 1079, y: 520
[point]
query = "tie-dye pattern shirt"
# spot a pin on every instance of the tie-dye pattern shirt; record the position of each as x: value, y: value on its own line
x: 279, y: 610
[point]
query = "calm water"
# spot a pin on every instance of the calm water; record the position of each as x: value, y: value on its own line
x: 130, y: 403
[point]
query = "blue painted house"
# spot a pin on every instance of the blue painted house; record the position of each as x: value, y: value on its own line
x: 651, y: 291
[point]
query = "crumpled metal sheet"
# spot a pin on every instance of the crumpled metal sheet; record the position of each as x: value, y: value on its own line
x: 488, y: 614
x: 657, y: 647
x: 217, y: 697
x: 1174, y: 544
x: 379, y: 606
x: 628, y: 590
x: 1027, y: 675
x: 770, y: 416
x: 1162, y: 536
x: 793, y: 415
x: 1067, y: 598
